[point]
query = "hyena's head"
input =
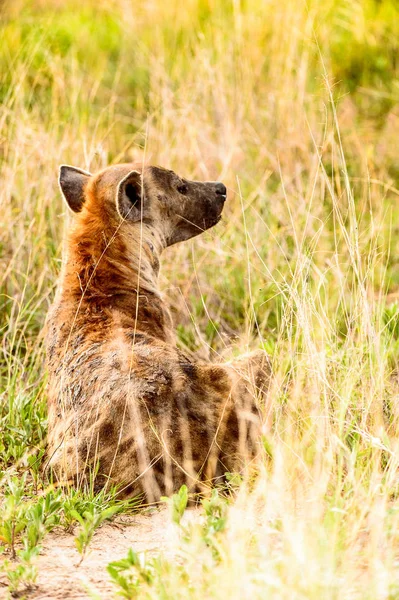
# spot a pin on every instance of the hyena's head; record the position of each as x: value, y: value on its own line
x: 152, y: 198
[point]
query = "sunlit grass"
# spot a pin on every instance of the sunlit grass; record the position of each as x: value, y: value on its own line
x: 295, y: 108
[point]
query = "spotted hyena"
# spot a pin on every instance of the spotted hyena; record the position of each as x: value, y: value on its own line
x: 123, y: 399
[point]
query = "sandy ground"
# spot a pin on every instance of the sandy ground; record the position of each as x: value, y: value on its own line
x: 59, y: 573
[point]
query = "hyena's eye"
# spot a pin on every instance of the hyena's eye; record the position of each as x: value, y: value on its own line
x: 182, y: 189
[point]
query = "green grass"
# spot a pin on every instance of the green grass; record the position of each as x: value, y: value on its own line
x: 296, y: 108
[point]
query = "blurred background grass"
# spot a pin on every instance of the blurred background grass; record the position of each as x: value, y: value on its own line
x: 295, y: 106
x: 229, y: 89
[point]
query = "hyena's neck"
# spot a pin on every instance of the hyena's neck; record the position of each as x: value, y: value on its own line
x: 105, y: 277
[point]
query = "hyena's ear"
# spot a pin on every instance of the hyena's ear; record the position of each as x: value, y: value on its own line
x: 72, y: 183
x: 129, y: 197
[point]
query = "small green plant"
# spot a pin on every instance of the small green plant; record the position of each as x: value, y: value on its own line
x: 89, y: 522
x: 42, y: 518
x: 215, y: 509
x: 139, y: 576
x: 177, y: 503
x: 233, y: 482
x: 82, y: 500
x: 34, y: 461
x: 21, y: 576
x: 13, y: 519
x: 130, y: 573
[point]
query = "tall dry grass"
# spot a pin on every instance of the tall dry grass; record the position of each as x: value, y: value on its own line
x: 295, y: 107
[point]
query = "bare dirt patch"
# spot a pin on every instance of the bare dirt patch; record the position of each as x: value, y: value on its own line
x: 61, y: 576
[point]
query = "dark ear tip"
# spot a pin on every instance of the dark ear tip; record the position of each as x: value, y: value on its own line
x: 61, y: 172
x: 64, y: 170
x: 72, y: 181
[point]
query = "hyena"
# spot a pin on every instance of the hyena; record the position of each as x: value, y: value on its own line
x: 123, y: 400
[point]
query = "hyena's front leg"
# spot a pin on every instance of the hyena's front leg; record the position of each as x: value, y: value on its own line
x: 252, y: 372
x: 240, y: 413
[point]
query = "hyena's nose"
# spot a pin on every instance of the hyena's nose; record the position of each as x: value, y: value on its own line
x: 221, y: 189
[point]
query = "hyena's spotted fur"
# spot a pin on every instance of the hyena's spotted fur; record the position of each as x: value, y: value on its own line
x: 122, y: 396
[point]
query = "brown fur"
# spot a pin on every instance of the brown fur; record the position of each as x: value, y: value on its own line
x: 121, y: 394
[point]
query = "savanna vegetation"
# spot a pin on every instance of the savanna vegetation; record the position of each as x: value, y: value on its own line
x: 295, y: 106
